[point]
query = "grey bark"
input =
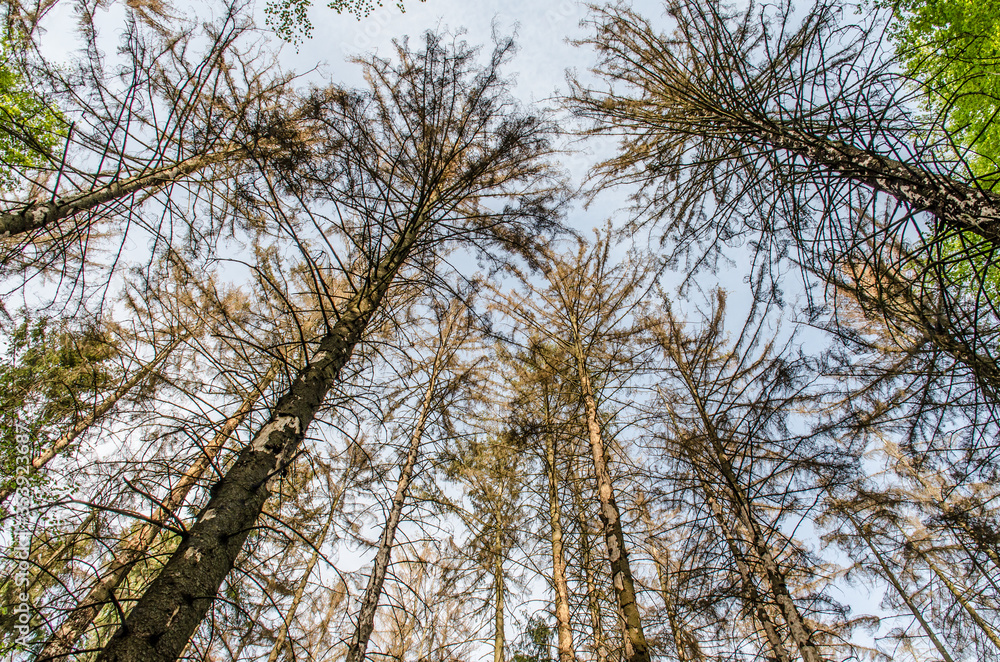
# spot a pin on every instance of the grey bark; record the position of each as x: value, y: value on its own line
x: 621, y: 572
x: 62, y: 641
x: 46, y: 215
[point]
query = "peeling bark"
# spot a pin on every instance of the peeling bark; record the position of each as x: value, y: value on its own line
x: 621, y: 572
x: 46, y: 215
x: 62, y: 641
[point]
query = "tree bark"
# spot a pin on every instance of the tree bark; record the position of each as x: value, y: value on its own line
x: 498, y: 602
x: 99, y: 411
x: 38, y: 216
x: 751, y: 596
x: 373, y: 592
x: 959, y: 206
x: 61, y: 643
x: 621, y: 573
x: 564, y: 633
x: 593, y: 604
x: 164, y: 618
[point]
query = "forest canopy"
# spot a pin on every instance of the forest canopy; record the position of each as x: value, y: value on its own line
x: 694, y: 360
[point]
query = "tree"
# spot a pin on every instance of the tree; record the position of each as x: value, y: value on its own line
x: 952, y: 49
x: 543, y: 407
x: 491, y: 467
x: 452, y: 334
x: 124, y: 156
x: 584, y: 311
x: 30, y: 128
x: 728, y: 104
x: 417, y: 161
x: 725, y: 410
x: 802, y: 138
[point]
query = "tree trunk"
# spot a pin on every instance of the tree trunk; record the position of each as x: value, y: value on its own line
x: 958, y: 206
x: 564, y: 633
x: 746, y: 519
x: 882, y: 291
x: 751, y: 596
x: 894, y: 582
x: 498, y: 602
x: 955, y: 518
x: 621, y: 573
x: 373, y: 592
x: 685, y: 644
x: 99, y: 411
x: 593, y: 603
x: 164, y: 618
x: 61, y: 643
x: 46, y: 215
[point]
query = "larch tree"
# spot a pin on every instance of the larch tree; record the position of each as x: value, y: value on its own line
x: 441, y: 371
x: 726, y: 410
x: 795, y: 133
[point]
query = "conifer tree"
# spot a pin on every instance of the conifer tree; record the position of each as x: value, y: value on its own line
x: 403, y: 188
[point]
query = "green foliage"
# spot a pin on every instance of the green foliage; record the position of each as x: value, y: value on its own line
x: 30, y: 128
x: 953, y: 48
x: 535, y: 642
x: 47, y: 379
x: 290, y: 18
